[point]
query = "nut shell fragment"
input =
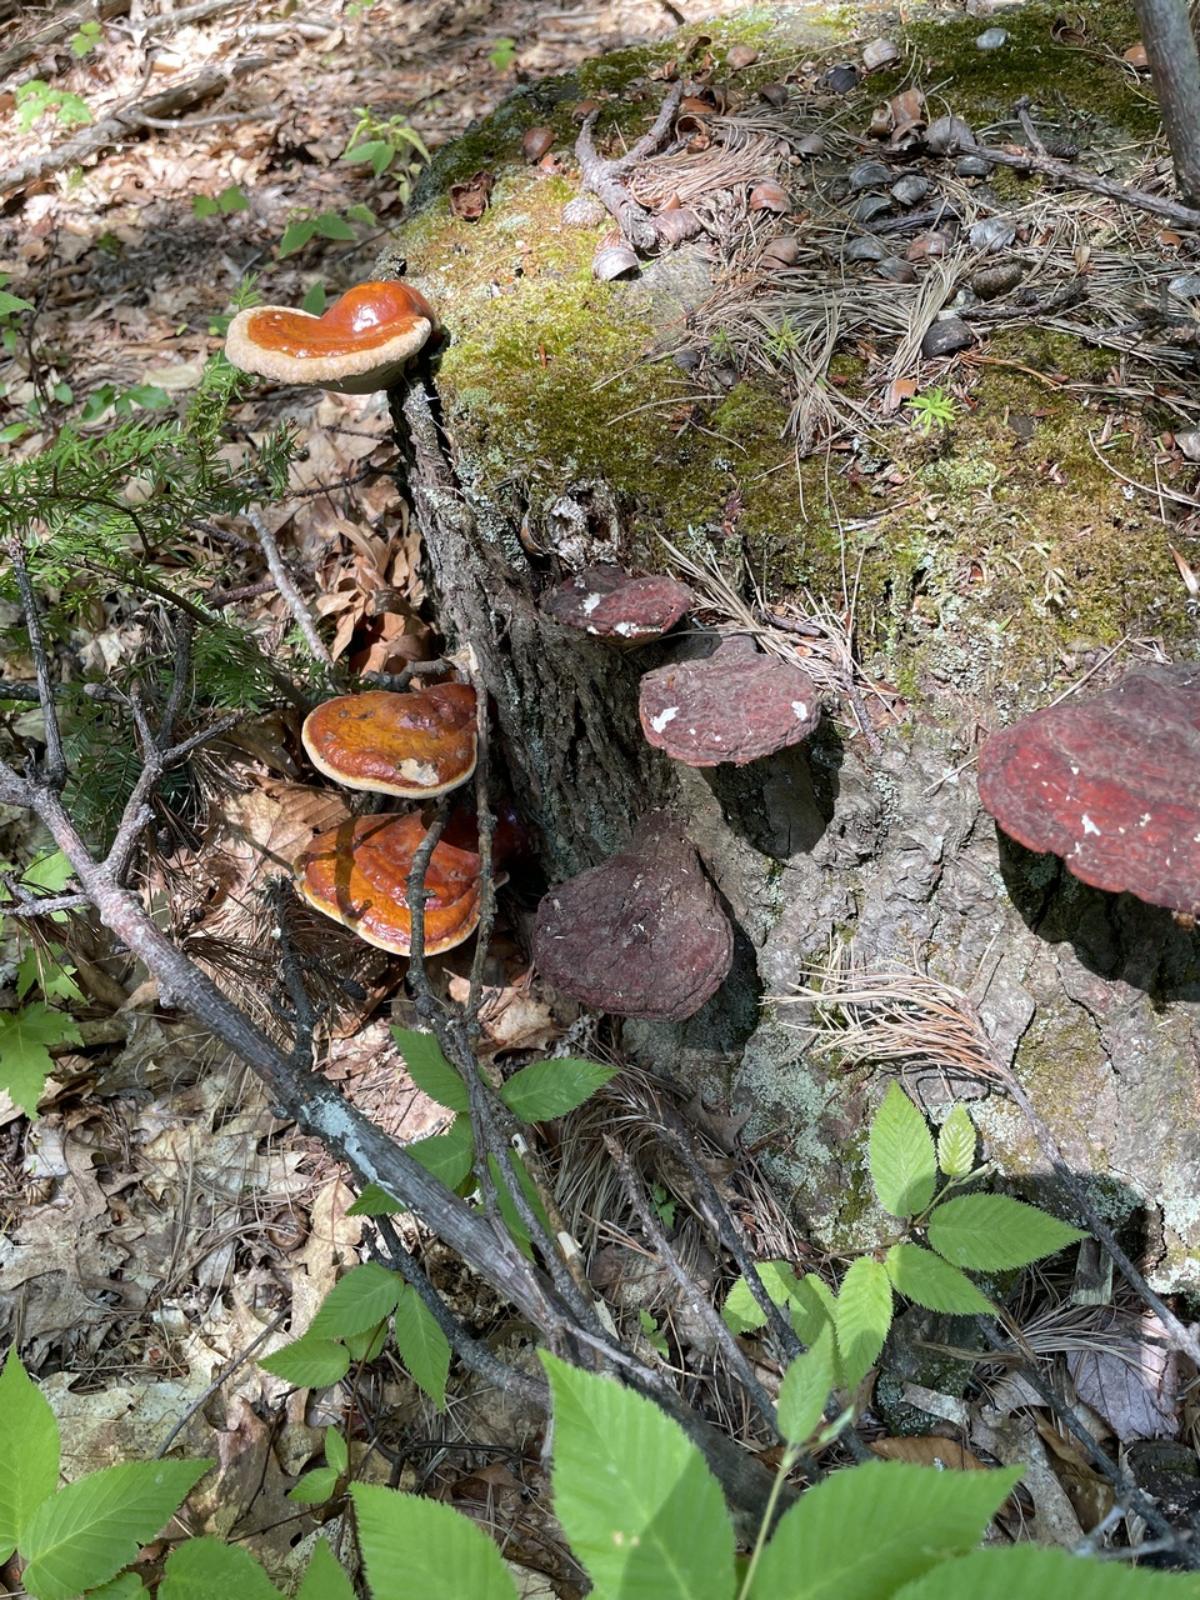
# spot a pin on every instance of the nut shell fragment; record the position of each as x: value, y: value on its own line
x: 417, y: 745
x: 734, y: 706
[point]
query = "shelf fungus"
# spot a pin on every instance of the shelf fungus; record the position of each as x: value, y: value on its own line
x: 1111, y: 784
x: 360, y: 344
x: 736, y: 705
x: 606, y: 602
x: 417, y: 745
x: 642, y: 935
x: 358, y: 874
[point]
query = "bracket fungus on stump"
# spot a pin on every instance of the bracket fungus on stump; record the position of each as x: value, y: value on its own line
x: 736, y: 706
x: 606, y: 602
x: 357, y: 874
x: 359, y: 344
x: 418, y: 744
x: 642, y: 935
x: 1111, y: 784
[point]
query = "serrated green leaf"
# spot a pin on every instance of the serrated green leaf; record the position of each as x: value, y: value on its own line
x: 309, y: 1363
x: 25, y: 1040
x: 1035, y: 1574
x: 127, y: 1587
x: 359, y: 1300
x: 414, y: 1547
x: 992, y: 1232
x: 325, y: 1578
x: 863, y: 1532
x: 424, y: 1348
x: 450, y: 1155
x: 901, y: 1154
x: 367, y: 1345
x: 812, y: 1305
x: 639, y: 1506
x: 429, y: 1069
x: 742, y: 1312
x: 805, y: 1390
x: 337, y: 1452
x: 330, y: 226
x: 10, y: 303
x: 360, y: 213
x: 28, y: 1451
x: 925, y: 1278
x: 314, y: 1488
x: 202, y: 1568
x: 53, y: 976
x: 232, y: 199
x: 508, y: 1210
x: 295, y: 236
x: 314, y: 299
x: 203, y: 205
x: 374, y: 1202
x: 83, y: 1535
x: 864, y: 1315
x: 367, y: 151
x: 548, y: 1089
x: 956, y: 1142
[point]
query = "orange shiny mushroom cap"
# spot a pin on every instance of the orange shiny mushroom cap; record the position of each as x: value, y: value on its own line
x: 416, y: 745
x: 359, y: 344
x: 357, y: 874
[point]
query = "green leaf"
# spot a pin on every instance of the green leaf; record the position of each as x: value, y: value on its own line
x: 149, y: 396
x: 53, y: 976
x: 202, y: 1568
x: 314, y: 1488
x: 203, y: 205
x: 1035, y: 1574
x: 508, y: 1210
x: 309, y: 1363
x: 414, y: 1547
x: 902, y: 1157
x: 863, y: 1532
x: 361, y: 213
x: 956, y: 1143
x: 87, y: 1532
x: 295, y: 236
x: 429, y: 1069
x: 330, y: 226
x: 424, y: 1348
x: 367, y: 1345
x: 812, y: 1305
x: 232, y: 199
x: 805, y: 1389
x: 368, y: 151
x: 921, y: 1276
x: 325, y: 1578
x: 25, y: 1040
x: 28, y: 1451
x: 450, y: 1155
x: 549, y: 1089
x: 357, y: 1301
x: 639, y: 1506
x: 374, y: 1202
x: 991, y: 1232
x: 864, y: 1315
x: 127, y: 1587
x: 742, y: 1312
x: 314, y: 304
x: 336, y: 1451
x: 51, y: 872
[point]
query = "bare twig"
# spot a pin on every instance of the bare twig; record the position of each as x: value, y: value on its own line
x: 56, y: 762
x: 287, y: 588
x: 603, y: 178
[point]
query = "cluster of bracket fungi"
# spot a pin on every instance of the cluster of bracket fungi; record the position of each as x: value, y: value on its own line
x: 1108, y: 782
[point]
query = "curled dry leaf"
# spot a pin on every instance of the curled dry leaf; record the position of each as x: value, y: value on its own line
x: 613, y: 259
x: 929, y: 1450
x: 770, y: 196
x: 469, y: 200
x: 512, y: 1017
x: 741, y: 56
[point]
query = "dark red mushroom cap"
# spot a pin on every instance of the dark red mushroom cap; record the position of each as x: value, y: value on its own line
x: 735, y: 705
x: 1111, y: 784
x: 642, y: 935
x: 607, y: 602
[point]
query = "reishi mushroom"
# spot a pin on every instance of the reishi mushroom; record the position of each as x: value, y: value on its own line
x: 1111, y: 784
x: 358, y: 874
x: 359, y: 344
x: 607, y: 602
x: 735, y: 706
x: 642, y: 935
x: 418, y: 744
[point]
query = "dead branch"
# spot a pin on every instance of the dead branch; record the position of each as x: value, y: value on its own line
x: 284, y: 583
x: 603, y: 178
x: 66, y: 22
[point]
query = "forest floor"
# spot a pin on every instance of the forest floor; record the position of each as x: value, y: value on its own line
x: 132, y: 1291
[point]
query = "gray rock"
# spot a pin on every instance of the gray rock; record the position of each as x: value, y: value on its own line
x: 879, y: 53
x: 966, y: 296
x: 812, y: 145
x: 865, y: 248
x: 992, y: 39
x: 990, y: 282
x: 972, y: 167
x: 992, y: 234
x: 1185, y: 287
x: 841, y: 79
x: 1189, y: 444
x: 948, y: 134
x: 869, y: 206
x: 897, y: 269
x: 945, y: 337
x: 911, y: 189
x: 869, y: 175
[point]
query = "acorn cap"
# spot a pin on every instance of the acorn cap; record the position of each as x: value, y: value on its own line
x: 734, y: 706
x: 417, y: 745
x: 359, y: 344
x: 607, y: 602
x: 642, y: 935
x: 1111, y: 784
x: 358, y: 875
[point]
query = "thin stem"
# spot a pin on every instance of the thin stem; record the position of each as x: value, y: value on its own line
x: 768, y: 1520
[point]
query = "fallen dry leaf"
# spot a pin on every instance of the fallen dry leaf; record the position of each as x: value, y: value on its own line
x: 929, y: 1450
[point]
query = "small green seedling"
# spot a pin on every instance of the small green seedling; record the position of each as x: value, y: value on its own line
x: 933, y: 409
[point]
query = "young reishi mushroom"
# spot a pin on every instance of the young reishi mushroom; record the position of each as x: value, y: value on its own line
x: 359, y: 344
x: 606, y: 602
x: 642, y: 935
x: 357, y: 873
x: 735, y: 706
x: 1111, y: 784
x: 417, y: 745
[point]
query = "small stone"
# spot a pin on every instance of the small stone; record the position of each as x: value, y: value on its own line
x: 1189, y: 444
x: 911, y: 189
x: 992, y: 39
x: 865, y: 248
x: 869, y: 175
x: 687, y: 359
x: 1136, y: 57
x: 879, y: 53
x: 965, y: 297
x: 947, y: 134
x: 991, y: 282
x: 741, y: 56
x: 992, y: 234
x: 1186, y: 287
x: 945, y: 337
x: 812, y: 145
x: 585, y: 211
x: 972, y: 167
x: 842, y: 79
x: 775, y: 94
x: 869, y: 206
x: 896, y: 270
